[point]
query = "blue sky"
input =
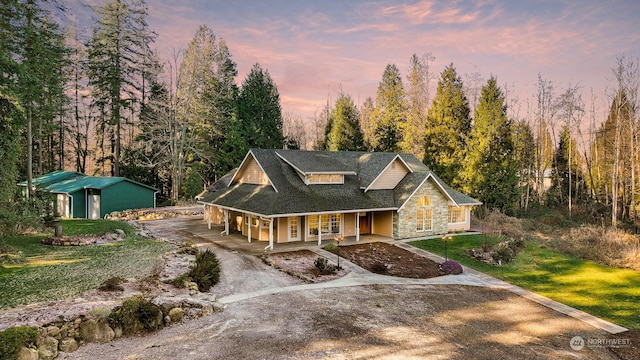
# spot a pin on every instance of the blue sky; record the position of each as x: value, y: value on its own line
x: 312, y: 48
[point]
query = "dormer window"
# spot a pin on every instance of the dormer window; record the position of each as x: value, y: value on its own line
x: 325, y: 179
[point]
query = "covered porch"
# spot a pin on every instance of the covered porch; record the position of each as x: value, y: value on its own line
x: 289, y: 231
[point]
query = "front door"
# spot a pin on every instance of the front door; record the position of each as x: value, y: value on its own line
x: 294, y: 228
x: 365, y: 224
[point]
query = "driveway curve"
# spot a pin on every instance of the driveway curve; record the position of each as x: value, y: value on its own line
x: 355, y: 321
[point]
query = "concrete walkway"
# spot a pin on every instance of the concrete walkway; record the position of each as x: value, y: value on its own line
x: 359, y: 276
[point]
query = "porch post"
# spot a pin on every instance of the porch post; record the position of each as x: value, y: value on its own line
x: 226, y: 221
x: 271, y: 233
x: 207, y: 213
x: 357, y: 226
x: 249, y: 229
x: 319, y: 230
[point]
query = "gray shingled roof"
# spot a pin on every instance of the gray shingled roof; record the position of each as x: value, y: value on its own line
x: 314, y: 162
x: 293, y: 196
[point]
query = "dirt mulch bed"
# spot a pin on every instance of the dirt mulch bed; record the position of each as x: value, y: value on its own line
x: 388, y: 259
x: 301, y: 264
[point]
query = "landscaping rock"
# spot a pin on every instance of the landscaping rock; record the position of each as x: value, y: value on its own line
x: 68, y: 345
x: 27, y: 354
x: 96, y: 331
x: 48, y: 349
x: 53, y: 331
x: 176, y: 314
x: 120, y: 233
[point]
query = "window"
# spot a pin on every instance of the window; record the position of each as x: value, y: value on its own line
x: 330, y: 224
x: 424, y: 214
x: 254, y: 220
x: 456, y: 215
x: 325, y: 179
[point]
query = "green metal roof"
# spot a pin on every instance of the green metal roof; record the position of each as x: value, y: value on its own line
x: 69, y: 182
x: 293, y: 196
x: 52, y: 178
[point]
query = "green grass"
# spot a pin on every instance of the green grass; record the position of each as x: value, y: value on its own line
x: 610, y: 293
x: 53, y: 272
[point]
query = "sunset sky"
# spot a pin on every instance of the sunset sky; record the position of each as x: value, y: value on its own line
x: 311, y: 48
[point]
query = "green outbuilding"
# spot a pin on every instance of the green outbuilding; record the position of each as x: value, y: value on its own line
x: 92, y: 197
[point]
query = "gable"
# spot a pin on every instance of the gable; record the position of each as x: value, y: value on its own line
x: 391, y: 176
x: 252, y: 172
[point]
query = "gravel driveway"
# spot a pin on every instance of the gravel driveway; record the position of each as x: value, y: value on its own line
x: 364, y: 322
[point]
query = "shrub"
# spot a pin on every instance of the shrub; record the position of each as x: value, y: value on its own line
x: 14, y: 338
x: 180, y: 281
x: 330, y: 246
x: 324, y: 267
x: 206, y: 272
x: 502, y: 253
x: 113, y: 284
x: 136, y: 315
x: 451, y: 267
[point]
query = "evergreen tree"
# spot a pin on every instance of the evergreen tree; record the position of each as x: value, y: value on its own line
x: 345, y: 133
x: 390, y: 112
x: 367, y: 122
x: 33, y: 61
x: 448, y: 127
x: 259, y: 111
x: 490, y: 172
x: 206, y: 95
x: 11, y: 121
x: 118, y: 55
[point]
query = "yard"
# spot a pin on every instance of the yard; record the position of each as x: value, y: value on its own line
x: 606, y: 292
x: 49, y: 273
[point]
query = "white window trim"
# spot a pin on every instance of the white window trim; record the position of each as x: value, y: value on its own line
x: 464, y: 216
x: 308, y: 181
x: 311, y: 218
x: 424, y: 208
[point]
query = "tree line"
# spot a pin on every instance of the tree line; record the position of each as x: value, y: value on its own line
x: 105, y: 104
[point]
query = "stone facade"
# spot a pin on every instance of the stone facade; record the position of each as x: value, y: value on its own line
x: 404, y: 221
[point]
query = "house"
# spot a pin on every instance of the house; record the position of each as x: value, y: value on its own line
x: 81, y: 196
x: 292, y: 195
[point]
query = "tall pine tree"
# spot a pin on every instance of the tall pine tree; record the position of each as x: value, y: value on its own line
x: 448, y: 127
x: 206, y: 95
x: 390, y: 112
x: 118, y: 55
x: 490, y: 172
x: 259, y: 111
x: 345, y: 133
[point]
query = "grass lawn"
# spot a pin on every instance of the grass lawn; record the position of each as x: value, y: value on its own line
x: 54, y: 272
x: 610, y: 293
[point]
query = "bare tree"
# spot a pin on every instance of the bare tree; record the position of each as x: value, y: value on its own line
x: 295, y: 129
